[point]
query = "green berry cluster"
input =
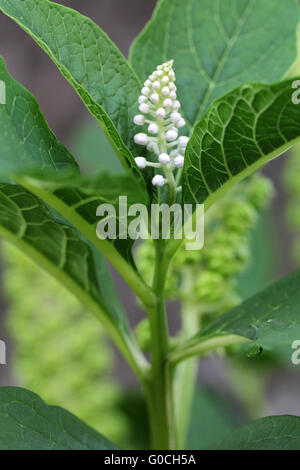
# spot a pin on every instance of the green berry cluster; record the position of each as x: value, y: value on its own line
x: 59, y: 353
x: 207, y: 277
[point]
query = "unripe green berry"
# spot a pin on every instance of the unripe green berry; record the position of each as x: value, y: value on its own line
x: 261, y: 190
x: 240, y: 217
x: 210, y: 287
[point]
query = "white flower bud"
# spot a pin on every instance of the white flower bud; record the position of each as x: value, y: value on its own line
x: 173, y: 95
x: 175, y: 116
x: 139, y: 120
x: 150, y: 146
x: 159, y: 73
x: 158, y: 180
x: 153, y: 128
x: 159, y: 67
x: 142, y: 99
x: 141, y: 138
x: 180, y: 123
x: 165, y: 80
x: 156, y: 85
x: 183, y: 141
x: 152, y: 77
x: 145, y: 91
x: 164, y: 158
x: 172, y: 87
x: 147, y: 83
x: 179, y: 161
x: 161, y: 113
x: 165, y: 91
x: 168, y: 103
x: 176, y: 105
x: 154, y: 98
x: 172, y: 75
x: 171, y: 135
x: 144, y: 108
x: 141, y: 162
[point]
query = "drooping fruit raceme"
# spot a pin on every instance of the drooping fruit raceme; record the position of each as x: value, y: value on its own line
x: 159, y: 110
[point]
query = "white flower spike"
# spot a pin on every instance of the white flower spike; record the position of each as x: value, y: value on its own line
x: 159, y: 106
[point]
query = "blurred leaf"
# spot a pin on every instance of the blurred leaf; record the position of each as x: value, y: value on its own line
x: 133, y: 405
x: 27, y: 423
x: 217, y: 45
x: 264, y: 259
x: 92, y: 150
x: 239, y: 134
x: 26, y: 140
x: 210, y: 420
x: 270, y: 318
x: 272, y: 433
x: 91, y: 62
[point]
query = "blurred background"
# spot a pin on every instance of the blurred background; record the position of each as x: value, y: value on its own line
x: 33, y: 324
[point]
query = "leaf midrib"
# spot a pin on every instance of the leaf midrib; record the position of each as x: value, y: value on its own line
x: 223, y: 59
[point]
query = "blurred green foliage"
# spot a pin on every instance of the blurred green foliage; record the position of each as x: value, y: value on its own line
x: 61, y: 352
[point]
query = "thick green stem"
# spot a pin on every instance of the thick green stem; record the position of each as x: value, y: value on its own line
x: 185, y: 376
x: 160, y: 389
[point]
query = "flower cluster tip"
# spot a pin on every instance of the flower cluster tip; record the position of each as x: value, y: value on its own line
x: 159, y: 108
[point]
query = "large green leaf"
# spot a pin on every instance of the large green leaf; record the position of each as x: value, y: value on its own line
x: 218, y: 45
x: 90, y: 61
x: 53, y: 160
x: 26, y: 140
x: 26, y: 144
x: 210, y: 420
x: 270, y: 320
x: 77, y: 199
x: 272, y: 433
x: 57, y: 247
x: 27, y: 423
x: 239, y: 133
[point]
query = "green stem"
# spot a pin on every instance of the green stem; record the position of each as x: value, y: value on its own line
x: 160, y: 390
x: 185, y: 376
x: 196, y: 347
x: 172, y: 186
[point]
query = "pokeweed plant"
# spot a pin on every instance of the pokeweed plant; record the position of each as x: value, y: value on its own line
x: 226, y: 115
